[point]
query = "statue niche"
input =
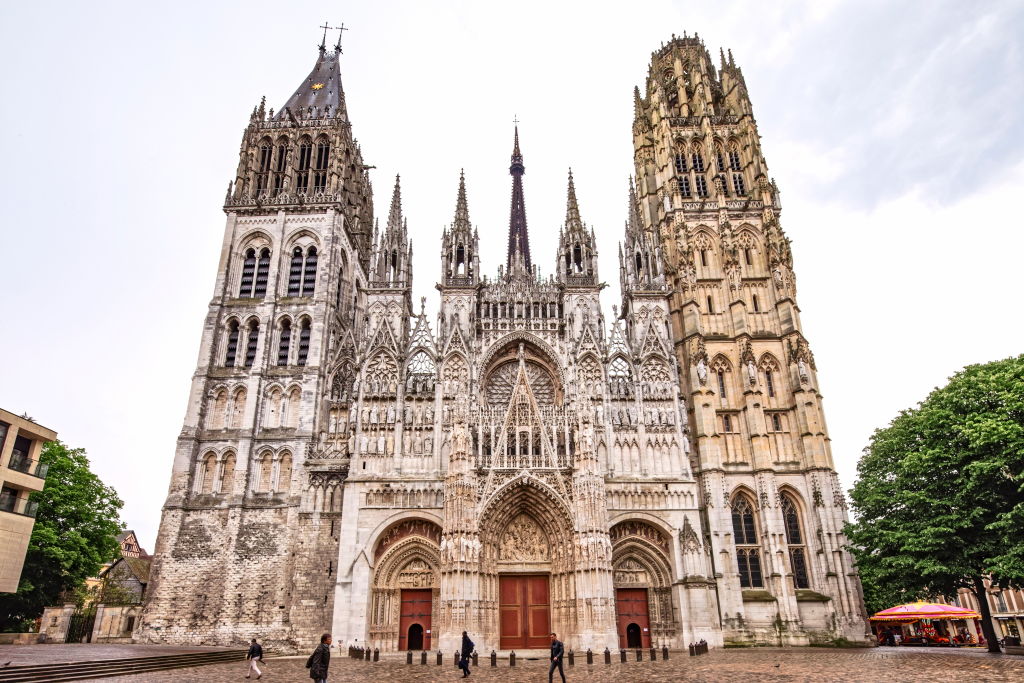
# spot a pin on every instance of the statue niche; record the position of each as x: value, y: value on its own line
x: 523, y: 541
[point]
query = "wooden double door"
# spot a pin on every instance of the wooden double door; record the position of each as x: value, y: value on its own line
x: 525, y: 608
x: 633, y: 617
x: 414, y: 621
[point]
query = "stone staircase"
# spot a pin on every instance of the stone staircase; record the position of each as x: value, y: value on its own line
x: 106, y: 668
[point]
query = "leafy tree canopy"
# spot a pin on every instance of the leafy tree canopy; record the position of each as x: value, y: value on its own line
x: 939, y: 498
x: 74, y: 535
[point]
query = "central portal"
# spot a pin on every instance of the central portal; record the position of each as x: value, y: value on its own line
x: 525, y: 611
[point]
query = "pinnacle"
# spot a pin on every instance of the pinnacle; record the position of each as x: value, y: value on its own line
x: 395, y: 216
x: 572, y: 210
x: 461, y: 205
x: 633, y: 225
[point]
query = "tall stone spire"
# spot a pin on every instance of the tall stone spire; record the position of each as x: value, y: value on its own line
x: 518, y: 238
x: 395, y: 223
x: 461, y: 221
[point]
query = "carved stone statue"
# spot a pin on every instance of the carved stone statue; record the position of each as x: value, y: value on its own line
x: 524, y: 541
x: 751, y: 373
x: 802, y: 369
x: 702, y: 371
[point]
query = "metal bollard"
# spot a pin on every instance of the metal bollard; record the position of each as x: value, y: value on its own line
x: 439, y: 657
x: 408, y: 657
x: 590, y: 656
x: 692, y: 651
x: 423, y: 657
x: 654, y: 654
x: 664, y: 652
x: 457, y: 659
x: 369, y: 654
x: 494, y: 658
x: 512, y: 658
x: 572, y: 658
x: 622, y: 655
x: 639, y: 655
x: 607, y: 656
x: 476, y: 657
x: 376, y: 654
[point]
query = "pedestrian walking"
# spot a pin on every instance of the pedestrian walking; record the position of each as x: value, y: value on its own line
x: 254, y: 655
x: 557, y: 650
x: 320, y: 660
x: 467, y: 652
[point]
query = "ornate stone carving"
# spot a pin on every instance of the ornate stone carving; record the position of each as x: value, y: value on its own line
x: 416, y: 574
x: 629, y: 572
x: 409, y: 527
x: 688, y: 540
x: 623, y: 530
x: 524, y: 541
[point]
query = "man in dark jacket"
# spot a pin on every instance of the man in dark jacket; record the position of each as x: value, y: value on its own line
x: 254, y: 655
x: 467, y: 652
x: 557, y: 650
x: 320, y: 660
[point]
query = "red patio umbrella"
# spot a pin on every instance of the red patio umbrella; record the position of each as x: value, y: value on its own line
x: 924, y: 610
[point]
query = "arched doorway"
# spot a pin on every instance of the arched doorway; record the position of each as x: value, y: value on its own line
x: 526, y: 563
x: 642, y: 580
x: 634, y: 637
x: 405, y: 586
x: 414, y: 641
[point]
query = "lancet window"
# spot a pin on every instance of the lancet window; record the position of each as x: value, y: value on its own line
x: 226, y: 484
x: 285, y: 342
x: 323, y: 155
x: 232, y: 348
x: 206, y: 473
x: 263, y: 158
x: 795, y: 541
x: 748, y: 555
x: 304, y: 162
x: 280, y: 165
x: 304, y: 333
x: 302, y: 272
x: 252, y: 339
x: 255, y: 270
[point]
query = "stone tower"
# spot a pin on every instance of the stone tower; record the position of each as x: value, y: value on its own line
x: 267, y: 420
x: 770, y: 494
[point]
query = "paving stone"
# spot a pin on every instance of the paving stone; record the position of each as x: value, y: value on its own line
x: 734, y: 665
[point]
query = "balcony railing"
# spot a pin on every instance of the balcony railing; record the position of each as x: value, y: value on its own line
x: 19, y: 506
x: 21, y: 463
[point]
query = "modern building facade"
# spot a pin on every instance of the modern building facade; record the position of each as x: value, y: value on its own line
x: 21, y: 473
x: 524, y: 464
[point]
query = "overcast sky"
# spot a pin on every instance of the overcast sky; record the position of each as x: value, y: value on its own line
x: 894, y: 130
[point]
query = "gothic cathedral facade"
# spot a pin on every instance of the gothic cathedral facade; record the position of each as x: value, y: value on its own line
x: 523, y: 465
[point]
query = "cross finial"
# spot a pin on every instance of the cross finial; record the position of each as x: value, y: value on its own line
x: 323, y: 42
x: 337, y: 46
x: 515, y: 120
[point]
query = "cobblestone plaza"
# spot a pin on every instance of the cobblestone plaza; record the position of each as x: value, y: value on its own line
x: 761, y: 664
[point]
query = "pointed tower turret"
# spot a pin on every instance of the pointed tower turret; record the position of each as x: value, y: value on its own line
x: 288, y: 159
x: 640, y: 260
x: 391, y: 271
x: 577, y: 250
x: 391, y: 263
x: 518, y: 238
x: 460, y: 260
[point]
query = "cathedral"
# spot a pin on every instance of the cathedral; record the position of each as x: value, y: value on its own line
x: 521, y: 464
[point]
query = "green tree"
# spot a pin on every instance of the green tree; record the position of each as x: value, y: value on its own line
x: 939, y: 498
x: 74, y: 535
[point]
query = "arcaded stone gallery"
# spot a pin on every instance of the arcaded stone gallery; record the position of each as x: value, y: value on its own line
x: 524, y: 463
